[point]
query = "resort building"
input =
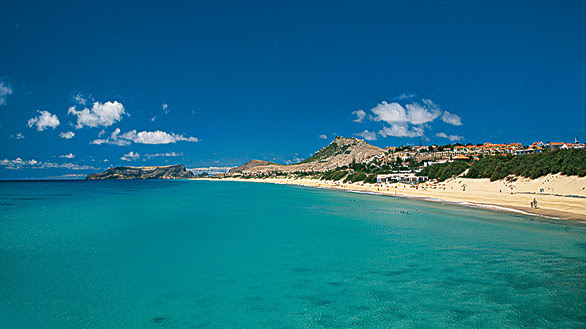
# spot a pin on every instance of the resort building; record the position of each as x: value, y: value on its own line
x: 404, y: 177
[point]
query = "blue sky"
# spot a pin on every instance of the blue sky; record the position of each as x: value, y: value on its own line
x: 220, y: 83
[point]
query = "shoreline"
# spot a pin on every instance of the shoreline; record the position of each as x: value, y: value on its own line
x: 573, y: 209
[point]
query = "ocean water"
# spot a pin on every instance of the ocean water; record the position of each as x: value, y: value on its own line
x: 204, y: 254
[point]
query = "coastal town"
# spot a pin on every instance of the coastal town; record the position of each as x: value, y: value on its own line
x: 402, y: 163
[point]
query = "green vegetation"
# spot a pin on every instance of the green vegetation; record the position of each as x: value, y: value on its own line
x: 371, y: 179
x: 443, y: 171
x: 568, y: 162
x: 333, y: 175
x: 356, y: 177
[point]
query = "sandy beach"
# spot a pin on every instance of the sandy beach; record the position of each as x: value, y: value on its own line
x: 562, y: 197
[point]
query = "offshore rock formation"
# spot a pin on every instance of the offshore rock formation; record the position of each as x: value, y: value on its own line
x: 160, y: 172
x: 341, y: 152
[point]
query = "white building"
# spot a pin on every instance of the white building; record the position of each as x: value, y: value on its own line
x: 400, y: 177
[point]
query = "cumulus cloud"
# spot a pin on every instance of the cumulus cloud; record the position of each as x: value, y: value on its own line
x: 18, y: 163
x: 130, y: 156
x: 17, y: 136
x: 5, y: 90
x: 419, y: 115
x: 43, y: 121
x: 144, y: 137
x: 114, y: 140
x: 165, y: 108
x: 323, y: 136
x: 409, y: 120
x: 68, y: 156
x: 450, y: 137
x: 415, y: 114
x: 156, y: 137
x: 389, y: 112
x: 104, y: 115
x: 67, y: 134
x: 360, y: 115
x: 452, y: 119
x: 401, y: 130
x: 367, y: 135
x: 167, y: 154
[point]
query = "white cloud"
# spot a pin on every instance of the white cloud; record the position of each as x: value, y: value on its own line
x: 165, y: 108
x: 18, y: 163
x: 450, y: 137
x: 167, y: 154
x: 323, y: 136
x: 294, y: 160
x: 367, y: 135
x: 69, y: 176
x: 410, y: 120
x: 401, y: 130
x: 5, y: 90
x: 130, y: 156
x: 156, y: 137
x: 360, y: 115
x: 68, y: 156
x: 451, y: 119
x: 17, y: 136
x: 390, y: 113
x: 114, y: 140
x: 72, y: 166
x: 418, y: 115
x: 81, y: 99
x: 105, y: 114
x: 154, y: 118
x: 144, y: 137
x: 67, y: 134
x: 415, y: 114
x: 101, y: 133
x: 405, y: 96
x: 44, y: 121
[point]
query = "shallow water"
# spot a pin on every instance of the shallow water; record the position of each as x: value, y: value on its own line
x: 201, y: 254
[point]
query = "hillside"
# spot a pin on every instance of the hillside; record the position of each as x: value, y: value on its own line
x: 340, y: 152
x: 162, y: 172
x: 251, y: 164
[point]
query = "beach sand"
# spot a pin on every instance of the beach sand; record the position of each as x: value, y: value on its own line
x: 557, y: 196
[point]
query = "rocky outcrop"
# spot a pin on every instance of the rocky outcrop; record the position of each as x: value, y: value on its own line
x: 341, y: 152
x: 160, y: 172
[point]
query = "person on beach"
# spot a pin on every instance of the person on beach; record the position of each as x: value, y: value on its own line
x: 535, y: 203
x: 531, y: 204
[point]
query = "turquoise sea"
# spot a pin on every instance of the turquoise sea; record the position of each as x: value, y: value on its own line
x: 206, y: 254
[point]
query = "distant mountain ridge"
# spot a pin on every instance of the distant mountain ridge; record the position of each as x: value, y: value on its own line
x: 341, y: 152
x: 154, y: 172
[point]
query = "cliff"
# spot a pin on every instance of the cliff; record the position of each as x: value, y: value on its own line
x: 160, y: 172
